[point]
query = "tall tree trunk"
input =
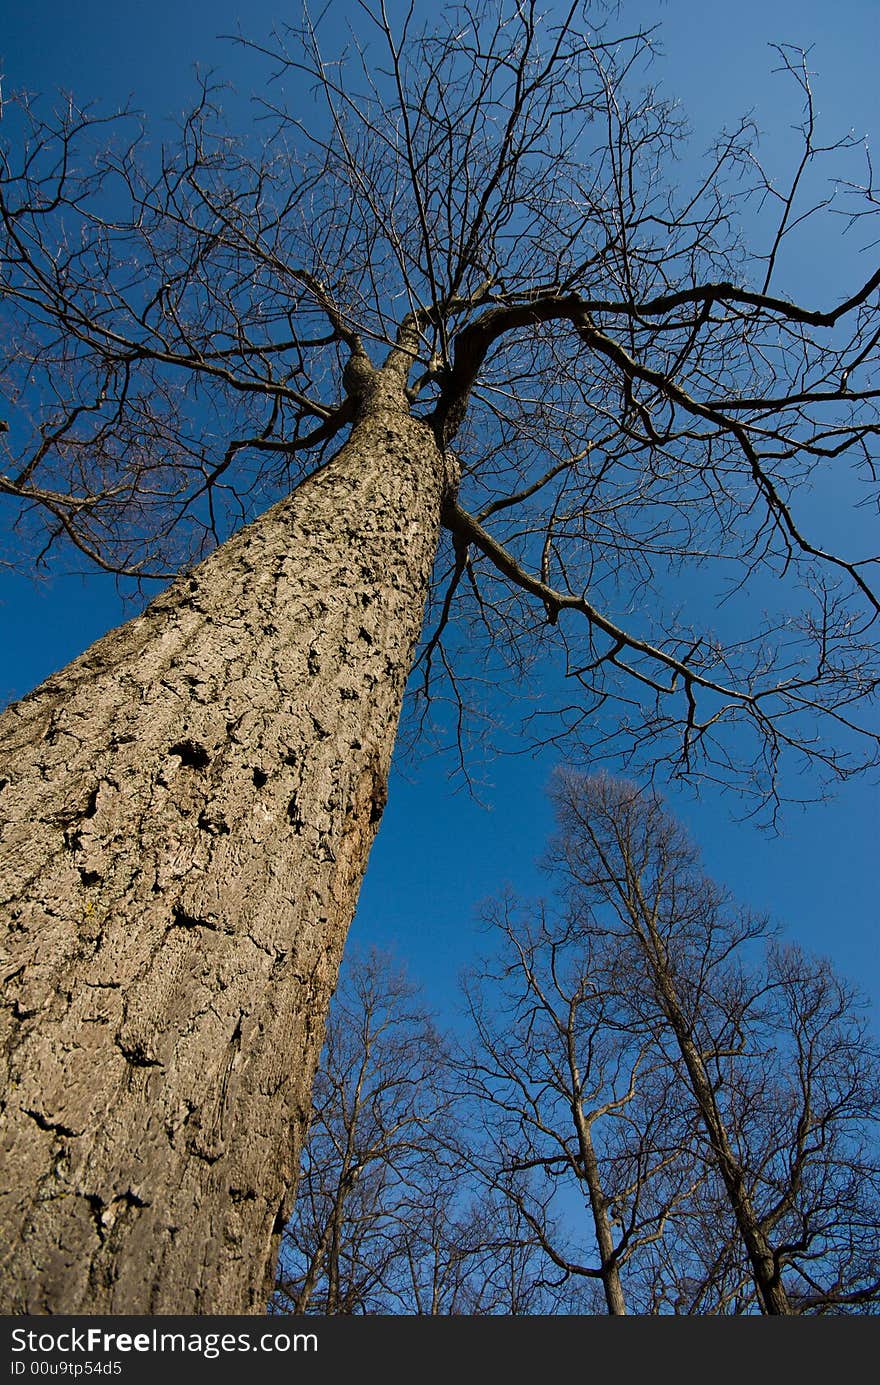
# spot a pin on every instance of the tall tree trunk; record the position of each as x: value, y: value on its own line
x: 185, y: 817
x: 765, y: 1274
x: 771, y: 1291
x: 611, y: 1285
x: 590, y: 1172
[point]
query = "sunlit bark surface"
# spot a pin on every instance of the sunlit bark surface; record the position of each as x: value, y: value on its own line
x: 185, y: 817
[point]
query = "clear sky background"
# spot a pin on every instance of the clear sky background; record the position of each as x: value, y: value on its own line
x: 439, y: 851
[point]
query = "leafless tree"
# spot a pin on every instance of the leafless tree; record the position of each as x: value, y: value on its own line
x: 774, y: 1056
x: 388, y: 1218
x: 582, y: 1131
x: 462, y: 320
x: 379, y: 1102
x: 805, y: 1113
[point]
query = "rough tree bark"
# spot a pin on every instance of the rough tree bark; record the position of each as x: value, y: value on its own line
x: 186, y: 815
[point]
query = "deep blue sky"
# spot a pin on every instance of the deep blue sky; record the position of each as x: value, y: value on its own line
x: 439, y: 852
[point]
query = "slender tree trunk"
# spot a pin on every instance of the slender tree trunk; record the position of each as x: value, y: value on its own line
x: 329, y: 1238
x: 185, y: 817
x: 313, y: 1273
x: 771, y: 1291
x: 614, y: 1297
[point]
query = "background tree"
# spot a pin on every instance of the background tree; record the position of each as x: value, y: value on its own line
x: 564, y: 1162
x: 187, y: 809
x: 581, y: 1129
x: 388, y: 1217
x: 379, y: 1103
x: 775, y: 1058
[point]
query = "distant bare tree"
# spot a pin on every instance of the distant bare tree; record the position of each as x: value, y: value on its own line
x: 379, y: 1102
x: 469, y: 1250
x: 774, y: 1056
x: 388, y: 1218
x: 581, y: 1130
x: 803, y: 1107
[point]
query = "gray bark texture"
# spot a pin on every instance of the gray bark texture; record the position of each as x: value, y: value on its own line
x: 185, y: 816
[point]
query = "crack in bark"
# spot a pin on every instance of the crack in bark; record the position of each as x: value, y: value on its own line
x: 181, y: 919
x: 135, y: 1054
x: 56, y: 1127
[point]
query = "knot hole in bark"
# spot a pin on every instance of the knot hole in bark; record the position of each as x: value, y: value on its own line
x: 192, y: 755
